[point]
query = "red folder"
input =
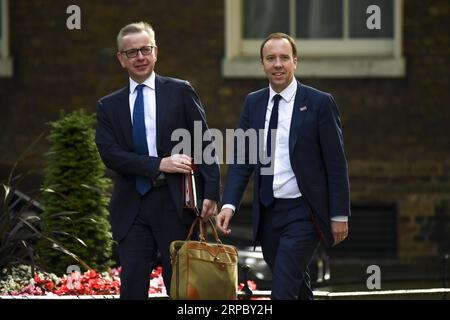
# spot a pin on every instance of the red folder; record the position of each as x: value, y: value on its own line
x: 192, y: 190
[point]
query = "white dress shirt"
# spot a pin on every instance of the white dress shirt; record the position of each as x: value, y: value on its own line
x: 149, y: 110
x: 284, y: 180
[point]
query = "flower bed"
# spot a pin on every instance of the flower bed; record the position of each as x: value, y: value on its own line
x: 17, y: 282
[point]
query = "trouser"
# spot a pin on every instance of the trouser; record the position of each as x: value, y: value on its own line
x: 155, y: 227
x: 288, y: 240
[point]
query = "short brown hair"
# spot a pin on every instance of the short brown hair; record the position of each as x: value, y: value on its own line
x: 135, y: 27
x: 279, y: 35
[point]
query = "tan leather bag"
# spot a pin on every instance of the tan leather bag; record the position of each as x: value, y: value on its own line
x: 202, y: 270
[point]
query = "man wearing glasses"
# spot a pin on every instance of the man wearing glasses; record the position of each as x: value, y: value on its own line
x: 134, y: 128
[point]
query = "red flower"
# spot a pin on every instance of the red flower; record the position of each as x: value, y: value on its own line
x: 37, y: 279
x: 89, y: 283
x: 251, y: 284
x: 156, y: 272
x: 49, y: 285
x: 91, y: 274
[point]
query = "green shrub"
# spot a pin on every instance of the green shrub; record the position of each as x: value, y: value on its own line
x: 75, y: 184
x: 20, y: 227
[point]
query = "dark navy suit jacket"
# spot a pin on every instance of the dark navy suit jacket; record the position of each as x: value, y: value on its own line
x: 177, y: 106
x: 316, y: 152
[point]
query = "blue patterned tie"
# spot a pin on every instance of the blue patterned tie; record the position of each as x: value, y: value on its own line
x: 266, y: 181
x: 143, y: 184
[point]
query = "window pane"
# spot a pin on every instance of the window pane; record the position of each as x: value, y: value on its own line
x: 319, y: 19
x: 358, y: 19
x: 262, y: 17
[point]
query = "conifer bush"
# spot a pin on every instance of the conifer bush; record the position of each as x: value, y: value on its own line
x: 76, y: 185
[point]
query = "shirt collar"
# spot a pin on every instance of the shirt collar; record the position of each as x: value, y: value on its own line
x: 149, y: 82
x: 287, y: 94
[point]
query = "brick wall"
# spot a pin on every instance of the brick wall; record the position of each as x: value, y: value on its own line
x: 396, y: 130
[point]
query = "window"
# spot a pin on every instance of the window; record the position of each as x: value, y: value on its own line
x: 373, y: 233
x: 5, y: 59
x: 332, y: 36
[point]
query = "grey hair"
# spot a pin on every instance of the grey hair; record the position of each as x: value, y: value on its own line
x: 135, y: 27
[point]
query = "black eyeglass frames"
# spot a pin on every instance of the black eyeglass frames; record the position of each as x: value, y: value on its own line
x: 132, y: 53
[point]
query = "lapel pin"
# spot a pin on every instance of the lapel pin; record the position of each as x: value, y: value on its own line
x: 303, y: 108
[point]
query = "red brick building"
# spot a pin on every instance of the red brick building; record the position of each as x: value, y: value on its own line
x: 392, y: 88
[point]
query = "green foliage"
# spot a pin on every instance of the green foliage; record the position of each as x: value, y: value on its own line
x: 75, y: 184
x: 14, y: 280
x: 20, y: 226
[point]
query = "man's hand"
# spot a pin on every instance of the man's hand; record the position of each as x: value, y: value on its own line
x: 176, y: 163
x: 340, y: 231
x: 209, y: 209
x: 223, y: 220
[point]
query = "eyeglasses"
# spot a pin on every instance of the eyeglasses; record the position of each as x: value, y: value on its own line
x: 132, y: 53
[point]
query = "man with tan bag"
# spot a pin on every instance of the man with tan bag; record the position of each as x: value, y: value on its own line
x: 134, y: 127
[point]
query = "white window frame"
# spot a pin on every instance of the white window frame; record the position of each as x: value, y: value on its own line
x: 317, y: 58
x: 6, y: 64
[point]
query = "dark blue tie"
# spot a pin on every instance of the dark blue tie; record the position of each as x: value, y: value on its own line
x: 143, y: 184
x: 266, y: 181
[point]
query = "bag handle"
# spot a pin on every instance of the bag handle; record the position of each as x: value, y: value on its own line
x: 204, y: 231
x: 203, y: 226
x: 191, y: 230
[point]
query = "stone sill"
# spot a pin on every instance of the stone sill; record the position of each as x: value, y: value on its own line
x: 359, y: 67
x: 6, y: 67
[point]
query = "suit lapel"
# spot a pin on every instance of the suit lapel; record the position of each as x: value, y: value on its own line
x: 261, y: 108
x: 298, y: 115
x: 125, y: 115
x: 161, y: 101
